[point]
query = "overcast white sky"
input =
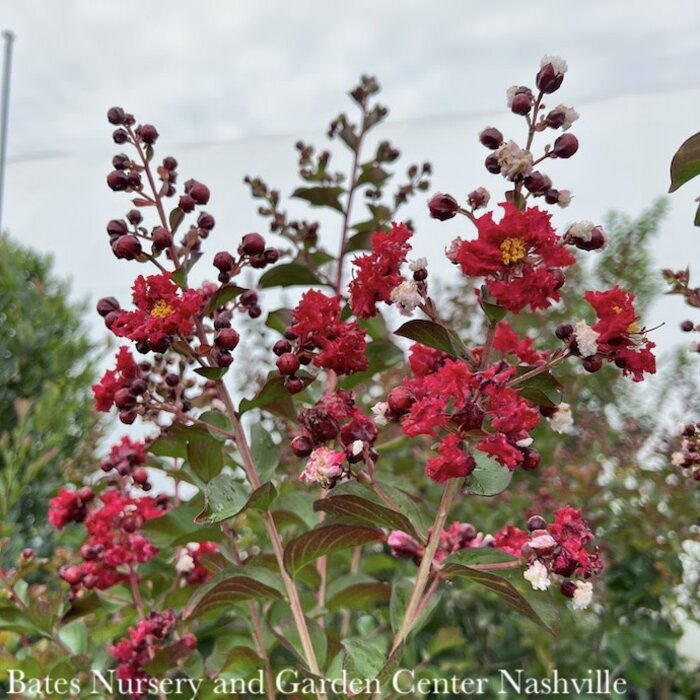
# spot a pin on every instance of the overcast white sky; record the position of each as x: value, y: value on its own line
x: 231, y: 85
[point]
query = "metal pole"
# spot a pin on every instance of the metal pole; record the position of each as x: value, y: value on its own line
x: 9, y: 37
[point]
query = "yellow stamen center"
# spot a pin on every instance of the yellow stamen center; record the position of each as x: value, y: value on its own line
x: 161, y: 309
x: 633, y: 327
x: 617, y: 309
x: 512, y: 251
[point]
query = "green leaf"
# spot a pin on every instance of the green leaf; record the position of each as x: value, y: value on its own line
x: 265, y: 452
x: 686, y: 162
x: 493, y: 312
x: 211, y: 372
x: 82, y: 606
x: 288, y: 275
x: 168, y: 658
x: 508, y: 584
x: 217, y: 419
x: 222, y: 296
x: 356, y: 592
x: 446, y: 639
x: 362, y: 240
x: 272, y: 392
x: 542, y: 389
x: 381, y: 355
x: 205, y: 456
x: 432, y: 335
x: 178, y: 526
x: 516, y: 199
x: 489, y: 478
x: 325, y: 540
x: 75, y: 636
x: 232, y: 586
x: 279, y: 320
x: 359, y: 503
x: 175, y: 218
x: 373, y: 174
x: 321, y: 196
x: 179, y: 276
x: 362, y: 660
x: 224, y: 497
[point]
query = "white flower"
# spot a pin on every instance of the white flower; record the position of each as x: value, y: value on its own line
x: 583, y: 230
x: 570, y: 115
x: 562, y: 422
x: 558, y: 63
x: 525, y: 442
x: 357, y: 447
x: 185, y: 563
x: 379, y: 411
x: 538, y: 576
x: 582, y: 595
x: 451, y: 252
x: 406, y: 297
x: 564, y: 198
x: 543, y: 543
x: 677, y: 459
x: 419, y: 264
x: 513, y: 160
x: 586, y: 339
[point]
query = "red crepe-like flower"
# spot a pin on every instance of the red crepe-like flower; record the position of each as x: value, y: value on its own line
x: 66, y: 507
x: 453, y: 461
x: 162, y: 311
x: 122, y: 376
x: 620, y: 339
x: 342, y: 346
x: 379, y: 272
x: 508, y: 342
x: 572, y: 534
x: 520, y: 257
x: 510, y: 540
x: 190, y: 562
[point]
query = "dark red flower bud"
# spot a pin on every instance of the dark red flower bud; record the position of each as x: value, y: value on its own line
x: 687, y: 326
x: 491, y: 164
x: 596, y: 241
x: 117, y: 180
x: 226, y: 339
x: 536, y: 522
x: 206, y: 221
x: 147, y: 133
x: 400, y: 401
x: 281, y: 347
x: 293, y: 385
x: 199, y: 192
x: 169, y: 163
x: 551, y: 195
x: 222, y: 358
x: 568, y: 588
x: 224, y: 261
x: 124, y: 399
x: 186, y: 203
x: 548, y: 79
x: 72, y: 575
x: 127, y: 247
x: 115, y: 115
x: 127, y: 417
x: 592, y: 363
x: 558, y: 275
x: 531, y: 459
x: 555, y: 118
x: 272, y: 255
x: 117, y: 227
x: 491, y: 138
x: 522, y: 101
x: 162, y: 238
x: 288, y: 363
x: 420, y: 275
x: 254, y: 311
x: 138, y: 387
x: 249, y: 297
x: 565, y: 146
x: 563, y: 331
x: 120, y: 136
x: 121, y: 161
x: 442, y: 206
x: 86, y: 494
x: 107, y: 305
x: 537, y: 183
x: 172, y: 379
x: 478, y: 198
x: 252, y: 244
x: 140, y: 475
x: 134, y: 180
x: 302, y: 446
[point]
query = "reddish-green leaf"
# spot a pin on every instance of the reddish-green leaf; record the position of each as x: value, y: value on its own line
x: 225, y: 497
x: 543, y: 389
x: 232, y: 586
x: 272, y: 392
x: 222, y: 296
x: 321, y: 196
x: 325, y: 540
x: 686, y: 162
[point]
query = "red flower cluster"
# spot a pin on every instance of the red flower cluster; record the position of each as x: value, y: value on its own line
x: 113, y: 542
x: 69, y: 506
x: 459, y: 536
x: 161, y: 312
x: 479, y: 406
x: 379, y: 272
x: 125, y: 456
x: 116, y: 384
x: 620, y: 339
x: 317, y: 322
x: 511, y: 540
x: 135, y: 652
x: 520, y: 257
x: 508, y: 342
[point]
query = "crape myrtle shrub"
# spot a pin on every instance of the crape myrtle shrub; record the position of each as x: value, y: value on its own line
x: 362, y: 510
